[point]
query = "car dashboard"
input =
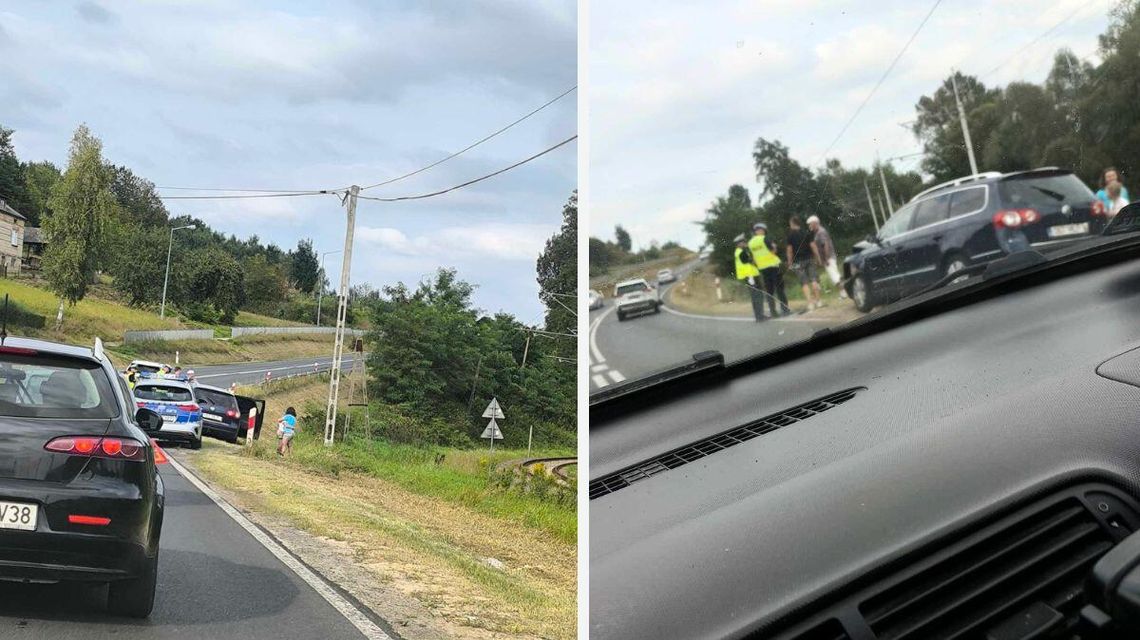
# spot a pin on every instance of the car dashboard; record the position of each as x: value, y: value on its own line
x: 953, y: 477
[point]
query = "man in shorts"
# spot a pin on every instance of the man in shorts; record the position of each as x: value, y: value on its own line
x: 803, y: 255
x: 827, y: 255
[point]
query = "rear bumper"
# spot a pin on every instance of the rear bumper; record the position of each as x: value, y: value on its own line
x: 39, y: 556
x: 221, y: 429
x: 179, y: 432
x: 638, y: 307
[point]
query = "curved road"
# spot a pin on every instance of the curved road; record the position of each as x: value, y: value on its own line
x: 215, y: 580
x: 647, y: 343
x: 222, y: 375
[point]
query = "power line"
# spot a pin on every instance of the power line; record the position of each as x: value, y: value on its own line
x: 882, y: 79
x: 1037, y: 39
x: 235, y: 190
x: 291, y: 194
x: 471, y: 182
x: 474, y: 144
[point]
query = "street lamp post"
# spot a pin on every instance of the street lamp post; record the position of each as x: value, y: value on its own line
x: 321, y: 284
x: 166, y: 278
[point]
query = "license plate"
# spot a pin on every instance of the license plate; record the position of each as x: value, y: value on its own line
x: 18, y: 515
x: 1059, y: 230
x: 211, y: 416
x: 169, y: 418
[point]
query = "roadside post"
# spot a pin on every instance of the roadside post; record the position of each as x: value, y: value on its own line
x: 492, y: 432
x: 249, y: 429
x: 719, y: 296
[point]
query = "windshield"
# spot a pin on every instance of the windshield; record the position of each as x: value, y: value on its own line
x: 781, y: 169
x: 162, y: 393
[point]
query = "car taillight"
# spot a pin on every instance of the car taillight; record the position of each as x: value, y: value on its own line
x: 1098, y: 208
x: 1014, y: 218
x: 98, y: 521
x: 231, y: 413
x: 141, y: 404
x: 23, y: 351
x: 192, y: 408
x: 95, y: 447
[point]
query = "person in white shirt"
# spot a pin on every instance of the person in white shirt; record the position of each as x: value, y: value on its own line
x: 1116, y: 198
x: 827, y: 253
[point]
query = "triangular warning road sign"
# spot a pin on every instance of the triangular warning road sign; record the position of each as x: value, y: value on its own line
x: 493, y: 410
x: 492, y: 430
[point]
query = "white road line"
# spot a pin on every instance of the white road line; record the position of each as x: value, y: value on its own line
x: 598, y: 368
x: 617, y: 377
x: 362, y: 622
x: 598, y: 357
x: 599, y: 380
x: 669, y: 309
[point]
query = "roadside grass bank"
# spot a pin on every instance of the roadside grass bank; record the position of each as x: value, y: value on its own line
x: 486, y: 556
x: 671, y: 258
x: 256, y: 348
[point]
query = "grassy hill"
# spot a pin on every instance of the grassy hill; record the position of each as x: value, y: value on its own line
x: 98, y: 315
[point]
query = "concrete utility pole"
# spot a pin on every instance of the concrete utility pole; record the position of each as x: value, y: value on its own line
x: 871, y: 204
x: 886, y: 191
x: 530, y: 435
x: 882, y: 207
x: 965, y: 127
x: 321, y: 291
x: 166, y: 279
x: 341, y: 310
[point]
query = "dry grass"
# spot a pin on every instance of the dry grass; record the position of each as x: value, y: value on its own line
x: 431, y: 550
x: 246, y: 349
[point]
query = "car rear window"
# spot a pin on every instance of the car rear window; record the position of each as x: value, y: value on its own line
x: 162, y: 393
x: 216, y: 398
x: 1047, y: 191
x: 33, y: 386
x: 631, y: 288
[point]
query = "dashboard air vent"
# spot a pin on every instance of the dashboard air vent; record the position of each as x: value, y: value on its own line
x: 1032, y: 568
x: 610, y: 483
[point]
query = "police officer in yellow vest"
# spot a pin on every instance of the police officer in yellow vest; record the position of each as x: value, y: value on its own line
x: 768, y: 262
x: 749, y: 275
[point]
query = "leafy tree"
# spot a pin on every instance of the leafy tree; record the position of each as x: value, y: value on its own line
x: 12, y: 187
x: 558, y: 272
x: 939, y: 128
x: 81, y: 204
x: 138, y: 200
x: 39, y: 180
x: 623, y: 239
x: 217, y: 279
x: 265, y: 283
x: 304, y: 267
x: 139, y: 262
x: 729, y: 216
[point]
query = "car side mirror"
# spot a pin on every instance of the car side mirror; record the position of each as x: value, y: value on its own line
x: 148, y: 420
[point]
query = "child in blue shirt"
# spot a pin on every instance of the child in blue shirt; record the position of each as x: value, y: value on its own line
x: 286, y: 429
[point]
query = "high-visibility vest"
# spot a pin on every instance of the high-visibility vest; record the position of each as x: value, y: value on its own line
x: 763, y: 257
x: 744, y: 270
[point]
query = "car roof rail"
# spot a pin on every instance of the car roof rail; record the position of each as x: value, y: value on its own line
x: 958, y: 181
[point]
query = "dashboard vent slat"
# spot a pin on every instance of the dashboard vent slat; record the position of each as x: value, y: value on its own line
x: 1041, y: 558
x: 617, y: 480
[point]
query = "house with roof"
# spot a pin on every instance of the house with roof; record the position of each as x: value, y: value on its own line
x: 11, y: 239
x: 33, y: 253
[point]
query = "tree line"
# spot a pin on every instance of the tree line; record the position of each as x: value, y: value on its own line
x: 1083, y: 117
x: 99, y: 217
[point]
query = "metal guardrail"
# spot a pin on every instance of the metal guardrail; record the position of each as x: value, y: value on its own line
x: 250, y: 331
x: 173, y: 334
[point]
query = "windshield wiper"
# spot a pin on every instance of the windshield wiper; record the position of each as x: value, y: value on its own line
x: 1052, y: 194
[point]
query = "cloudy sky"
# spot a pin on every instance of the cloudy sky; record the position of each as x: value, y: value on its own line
x: 679, y: 92
x: 301, y: 95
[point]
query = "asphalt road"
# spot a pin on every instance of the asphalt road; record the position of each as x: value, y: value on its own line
x: 214, y: 581
x: 650, y: 342
x: 223, y: 375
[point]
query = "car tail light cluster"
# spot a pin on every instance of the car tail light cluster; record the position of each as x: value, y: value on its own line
x: 96, y: 447
x: 1097, y: 208
x: 190, y: 407
x: 98, y: 521
x: 1014, y: 218
x: 230, y: 413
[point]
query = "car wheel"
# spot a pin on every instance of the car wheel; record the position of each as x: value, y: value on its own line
x: 621, y: 316
x: 953, y: 265
x: 657, y: 308
x: 861, y: 294
x: 134, y: 598
x: 196, y: 443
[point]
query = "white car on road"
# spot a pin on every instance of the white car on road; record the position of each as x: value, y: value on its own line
x: 635, y: 296
x: 596, y: 300
x: 665, y: 275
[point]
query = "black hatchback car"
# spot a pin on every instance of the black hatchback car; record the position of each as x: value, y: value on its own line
x: 220, y: 413
x: 972, y: 220
x: 80, y: 498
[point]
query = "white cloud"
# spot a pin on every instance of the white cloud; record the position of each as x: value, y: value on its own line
x: 502, y: 241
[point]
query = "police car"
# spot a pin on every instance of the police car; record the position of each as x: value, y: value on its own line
x: 176, y: 403
x: 146, y: 368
